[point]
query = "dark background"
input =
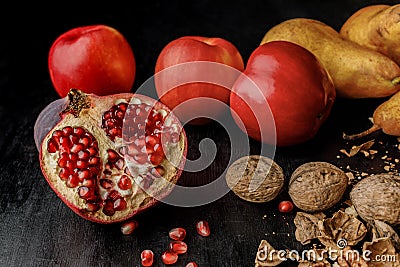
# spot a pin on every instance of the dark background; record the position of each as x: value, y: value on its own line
x: 37, y: 229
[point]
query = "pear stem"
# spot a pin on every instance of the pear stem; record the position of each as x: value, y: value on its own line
x: 396, y: 81
x: 374, y: 128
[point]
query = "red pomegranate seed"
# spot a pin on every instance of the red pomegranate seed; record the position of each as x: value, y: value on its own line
x: 52, y: 145
x: 83, y: 155
x: 92, y: 151
x: 62, y: 162
x: 84, y: 174
x: 85, y: 141
x: 125, y: 182
x: 88, y: 182
x: 179, y: 247
x: 192, y: 264
x: 83, y: 192
x: 108, y: 208
x: 79, y: 131
x: 112, y: 155
x: 64, y: 174
x: 120, y: 204
x: 156, y: 159
x: 147, y: 257
x: 177, y: 234
x: 285, y: 206
x: 94, y: 160
x: 72, y: 181
x: 92, y: 207
x: 169, y: 257
x: 106, y: 183
x: 81, y: 164
x: 77, y: 148
x: 128, y: 227
x: 203, y: 228
x: 158, y: 171
x: 67, y: 130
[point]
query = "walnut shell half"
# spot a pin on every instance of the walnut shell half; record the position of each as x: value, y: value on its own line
x: 317, y: 186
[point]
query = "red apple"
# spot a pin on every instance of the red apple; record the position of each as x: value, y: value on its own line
x: 95, y: 59
x: 286, y: 83
x: 176, y: 82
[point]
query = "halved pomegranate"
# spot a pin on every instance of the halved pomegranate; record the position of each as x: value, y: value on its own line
x: 111, y: 157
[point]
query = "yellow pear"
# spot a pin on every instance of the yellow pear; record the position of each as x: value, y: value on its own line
x: 357, y: 71
x: 376, y: 27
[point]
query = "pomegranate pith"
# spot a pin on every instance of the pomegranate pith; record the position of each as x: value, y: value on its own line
x: 111, y: 157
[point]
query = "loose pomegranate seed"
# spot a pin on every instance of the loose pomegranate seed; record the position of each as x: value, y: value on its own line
x: 179, y: 247
x: 285, y: 206
x: 128, y: 227
x: 203, y: 228
x: 147, y: 257
x: 178, y: 234
x: 169, y: 257
x: 192, y: 264
x: 125, y: 182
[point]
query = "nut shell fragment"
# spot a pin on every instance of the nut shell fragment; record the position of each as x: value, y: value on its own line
x: 265, y: 255
x: 317, y: 186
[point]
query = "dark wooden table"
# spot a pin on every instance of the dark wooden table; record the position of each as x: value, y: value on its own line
x: 37, y: 229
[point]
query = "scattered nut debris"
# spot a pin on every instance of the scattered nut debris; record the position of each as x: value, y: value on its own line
x: 363, y: 148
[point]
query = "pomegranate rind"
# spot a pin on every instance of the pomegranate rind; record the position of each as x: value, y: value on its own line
x: 90, y: 119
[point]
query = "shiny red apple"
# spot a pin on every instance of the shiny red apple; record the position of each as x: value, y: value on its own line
x: 95, y: 59
x: 286, y: 83
x: 200, y: 69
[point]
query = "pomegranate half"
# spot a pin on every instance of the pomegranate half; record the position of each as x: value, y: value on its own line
x: 111, y: 157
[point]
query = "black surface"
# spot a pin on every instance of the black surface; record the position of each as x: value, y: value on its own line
x: 37, y: 229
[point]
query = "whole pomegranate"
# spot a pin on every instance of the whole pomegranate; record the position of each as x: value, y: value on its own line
x: 111, y: 157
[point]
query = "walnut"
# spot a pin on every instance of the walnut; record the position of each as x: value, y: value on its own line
x: 255, y: 178
x: 317, y: 186
x: 377, y: 197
